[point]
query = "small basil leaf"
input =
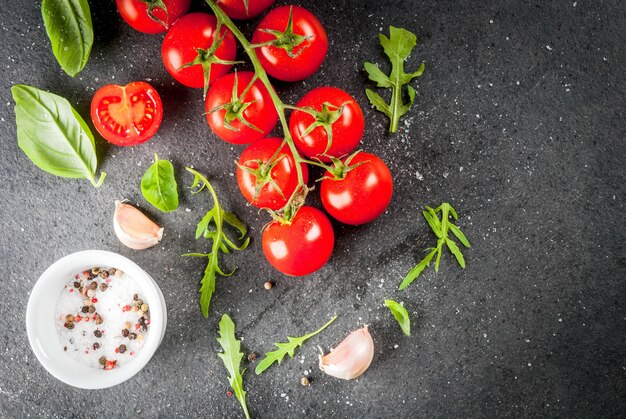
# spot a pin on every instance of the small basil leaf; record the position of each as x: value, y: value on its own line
x: 401, y: 316
x: 69, y: 27
x: 53, y: 135
x: 158, y: 185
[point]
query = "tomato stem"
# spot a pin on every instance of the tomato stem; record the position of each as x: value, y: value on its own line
x: 278, y: 103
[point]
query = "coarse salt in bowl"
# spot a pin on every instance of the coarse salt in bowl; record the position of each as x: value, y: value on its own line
x: 44, y: 336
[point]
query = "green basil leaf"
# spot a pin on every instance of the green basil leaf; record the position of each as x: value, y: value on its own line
x: 158, y: 185
x: 69, y: 27
x: 53, y: 135
x: 401, y: 316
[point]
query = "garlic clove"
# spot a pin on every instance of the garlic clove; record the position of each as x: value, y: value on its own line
x: 351, y: 357
x: 133, y: 228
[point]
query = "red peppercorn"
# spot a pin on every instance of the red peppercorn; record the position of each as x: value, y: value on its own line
x: 229, y: 393
x: 126, y: 308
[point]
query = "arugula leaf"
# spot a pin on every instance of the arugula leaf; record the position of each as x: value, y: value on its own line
x: 69, y: 27
x: 158, y: 185
x: 398, y: 47
x: 211, y: 227
x: 286, y: 348
x: 54, y: 136
x: 401, y: 315
x: 232, y: 357
x: 440, y: 227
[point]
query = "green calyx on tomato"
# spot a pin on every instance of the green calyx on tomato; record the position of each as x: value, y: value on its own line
x: 340, y: 169
x: 207, y: 57
x: 263, y: 175
x: 236, y: 107
x: 325, y: 119
x: 287, y: 39
x: 151, y: 6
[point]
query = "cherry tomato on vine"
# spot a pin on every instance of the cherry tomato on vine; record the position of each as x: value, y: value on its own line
x: 240, y: 119
x: 362, y: 194
x: 294, y: 43
x: 148, y: 16
x: 190, y: 51
x: 244, y: 9
x: 283, y: 174
x: 127, y: 115
x: 333, y: 126
x: 302, y: 246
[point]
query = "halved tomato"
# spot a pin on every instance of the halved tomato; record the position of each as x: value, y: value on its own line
x: 127, y: 115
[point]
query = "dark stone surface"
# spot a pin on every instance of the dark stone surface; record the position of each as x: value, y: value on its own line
x: 519, y: 123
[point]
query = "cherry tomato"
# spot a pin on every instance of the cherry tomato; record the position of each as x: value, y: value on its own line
x: 136, y: 13
x: 362, y: 195
x: 127, y: 115
x: 189, y: 33
x: 283, y: 173
x: 337, y: 112
x: 302, y: 47
x: 301, y: 247
x: 255, y: 108
x: 237, y: 9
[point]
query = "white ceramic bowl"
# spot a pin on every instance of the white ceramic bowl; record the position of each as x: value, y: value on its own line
x: 43, y: 335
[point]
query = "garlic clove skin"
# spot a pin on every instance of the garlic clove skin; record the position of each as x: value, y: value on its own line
x: 133, y: 228
x: 351, y: 357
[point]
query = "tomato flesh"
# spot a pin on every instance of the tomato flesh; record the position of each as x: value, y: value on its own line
x: 301, y: 247
x: 347, y: 130
x: 306, y: 57
x: 135, y: 13
x: 127, y: 115
x: 195, y: 30
x: 259, y: 112
x: 362, y: 195
x: 236, y: 9
x: 283, y: 173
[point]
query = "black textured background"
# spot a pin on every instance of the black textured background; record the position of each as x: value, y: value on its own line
x: 519, y: 123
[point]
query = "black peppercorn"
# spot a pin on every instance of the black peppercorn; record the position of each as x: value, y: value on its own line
x: 102, y: 360
x: 96, y: 346
x: 121, y: 349
x: 98, y: 319
x: 125, y: 332
x: 85, y: 309
x: 103, y: 286
x: 104, y: 274
x: 92, y: 309
x: 135, y: 297
x: 76, y: 284
x: 93, y: 285
x: 132, y: 336
x: 97, y: 333
x: 69, y: 325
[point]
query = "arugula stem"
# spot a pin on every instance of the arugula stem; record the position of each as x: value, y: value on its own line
x: 262, y: 75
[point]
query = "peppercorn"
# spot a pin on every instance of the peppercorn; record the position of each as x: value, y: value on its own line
x: 132, y: 336
x: 305, y: 381
x: 140, y: 313
x: 97, y: 333
x: 102, y: 360
x: 119, y: 274
x: 103, y: 286
x: 96, y: 346
x: 92, y: 309
x: 144, y: 307
x: 268, y: 285
x: 95, y: 271
x: 127, y: 325
x: 112, y: 271
x: 125, y: 332
x: 104, y: 274
x: 69, y: 318
x: 142, y: 321
x: 76, y: 284
x: 138, y: 302
x: 135, y: 297
x: 88, y: 302
x: 140, y: 337
x: 121, y: 348
x: 85, y: 309
x: 69, y: 325
x: 93, y: 285
x: 98, y: 318
x: 252, y: 357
